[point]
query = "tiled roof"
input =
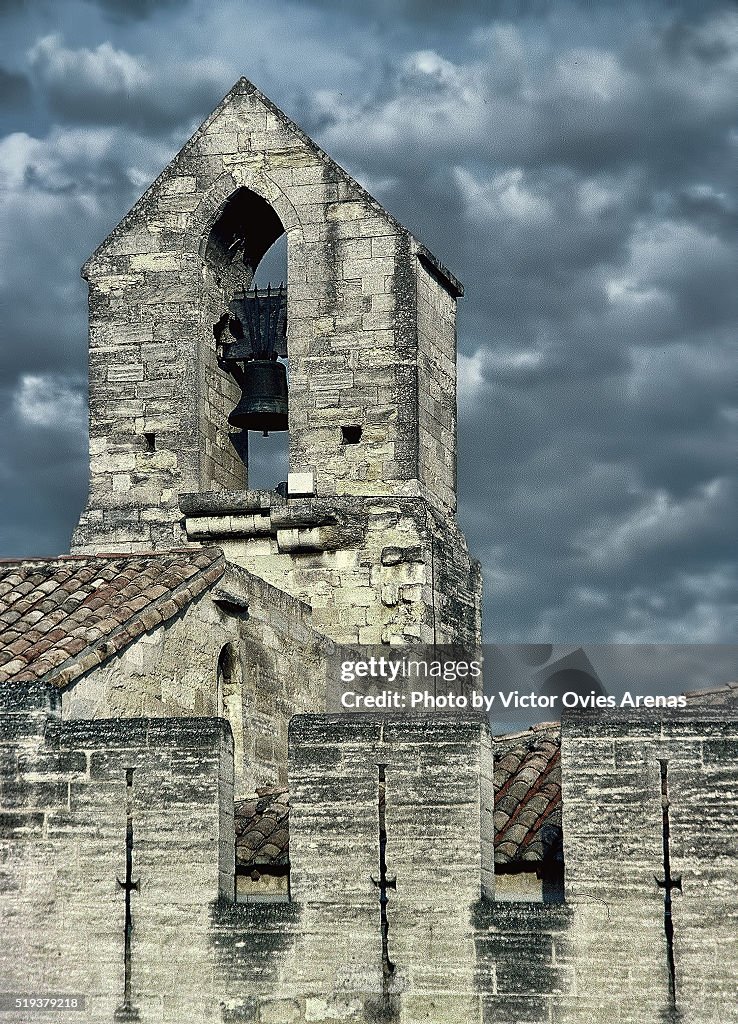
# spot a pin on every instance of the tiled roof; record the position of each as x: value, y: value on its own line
x: 527, y: 807
x: 61, y: 617
x: 262, y: 828
x: 725, y: 697
x: 528, y: 796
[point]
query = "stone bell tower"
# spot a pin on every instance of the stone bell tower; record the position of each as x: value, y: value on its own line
x: 364, y: 531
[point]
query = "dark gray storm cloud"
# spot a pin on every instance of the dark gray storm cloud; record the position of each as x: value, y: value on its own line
x: 108, y: 86
x: 572, y: 163
x: 15, y: 89
x: 117, y: 10
x: 122, y: 10
x: 42, y: 422
x: 511, y: 10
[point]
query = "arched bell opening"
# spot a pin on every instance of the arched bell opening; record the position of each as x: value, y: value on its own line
x: 269, y: 457
x: 244, y: 229
x: 249, y: 323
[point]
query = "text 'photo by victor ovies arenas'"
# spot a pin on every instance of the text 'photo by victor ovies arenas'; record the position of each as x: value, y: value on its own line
x: 287, y: 735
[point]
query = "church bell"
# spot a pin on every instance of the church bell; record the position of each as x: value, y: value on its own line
x: 257, y: 323
x: 263, y: 404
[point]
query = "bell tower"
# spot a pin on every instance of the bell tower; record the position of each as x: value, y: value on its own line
x: 187, y: 358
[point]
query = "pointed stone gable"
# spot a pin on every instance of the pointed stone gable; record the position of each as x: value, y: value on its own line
x: 371, y: 333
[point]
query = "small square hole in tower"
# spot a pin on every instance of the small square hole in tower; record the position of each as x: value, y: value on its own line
x: 351, y: 434
x: 150, y: 442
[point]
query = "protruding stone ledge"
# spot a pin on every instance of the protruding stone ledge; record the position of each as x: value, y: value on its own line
x: 292, y: 538
x: 221, y: 503
x: 302, y: 525
x: 440, y: 272
x: 204, y: 527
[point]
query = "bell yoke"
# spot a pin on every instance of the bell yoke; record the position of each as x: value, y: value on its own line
x: 252, y: 358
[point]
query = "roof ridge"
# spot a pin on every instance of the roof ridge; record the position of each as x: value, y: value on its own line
x: 103, y: 555
x: 532, y: 730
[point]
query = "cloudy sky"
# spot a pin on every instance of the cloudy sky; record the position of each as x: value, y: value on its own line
x: 574, y: 164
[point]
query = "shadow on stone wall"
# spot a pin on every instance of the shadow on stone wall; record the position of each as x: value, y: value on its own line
x: 250, y: 943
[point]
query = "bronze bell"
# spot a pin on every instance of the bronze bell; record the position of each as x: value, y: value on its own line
x: 263, y: 404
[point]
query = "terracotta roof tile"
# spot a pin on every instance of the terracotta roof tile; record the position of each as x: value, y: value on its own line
x: 725, y: 697
x: 527, y: 817
x: 262, y: 830
x: 59, y: 618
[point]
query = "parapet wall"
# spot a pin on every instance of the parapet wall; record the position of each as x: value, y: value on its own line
x: 451, y: 953
x: 426, y: 782
x: 613, y: 821
x: 67, y: 793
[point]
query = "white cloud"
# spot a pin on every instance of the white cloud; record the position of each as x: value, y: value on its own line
x: 663, y: 250
x: 82, y: 71
x: 630, y: 292
x: 54, y: 163
x: 505, y: 196
x: 106, y: 85
x: 470, y: 382
x: 427, y: 70
x: 592, y: 75
x: 42, y: 400
x: 590, y: 597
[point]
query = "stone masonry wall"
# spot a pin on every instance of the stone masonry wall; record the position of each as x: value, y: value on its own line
x: 284, y: 674
x: 168, y: 672
x: 613, y: 848
x: 157, y: 398
x: 436, y: 306
x: 63, y: 844
x: 438, y: 806
x: 374, y: 570
x: 598, y: 959
x: 459, y: 956
x: 172, y: 671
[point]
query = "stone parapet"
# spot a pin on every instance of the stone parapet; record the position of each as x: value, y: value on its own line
x: 73, y: 798
x: 620, y: 772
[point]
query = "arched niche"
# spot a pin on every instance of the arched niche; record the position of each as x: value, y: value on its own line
x: 229, y: 686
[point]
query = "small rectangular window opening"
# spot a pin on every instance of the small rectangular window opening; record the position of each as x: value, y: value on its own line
x: 351, y: 434
x: 150, y: 442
